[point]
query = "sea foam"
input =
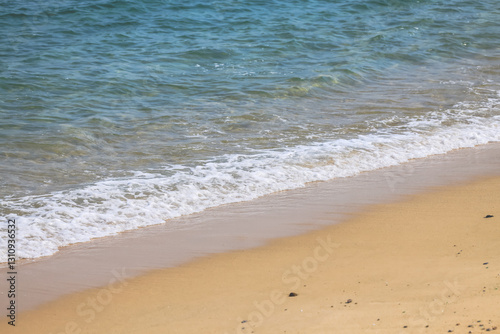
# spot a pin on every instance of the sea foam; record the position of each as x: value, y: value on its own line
x: 47, y: 222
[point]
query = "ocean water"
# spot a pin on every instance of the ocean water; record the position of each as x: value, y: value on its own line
x: 119, y: 114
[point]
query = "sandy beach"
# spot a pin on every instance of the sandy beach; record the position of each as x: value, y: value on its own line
x: 241, y: 167
x: 426, y: 264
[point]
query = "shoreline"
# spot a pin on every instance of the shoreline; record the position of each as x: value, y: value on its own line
x: 426, y: 263
x: 242, y: 226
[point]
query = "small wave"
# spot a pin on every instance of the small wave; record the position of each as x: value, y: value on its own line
x: 50, y: 221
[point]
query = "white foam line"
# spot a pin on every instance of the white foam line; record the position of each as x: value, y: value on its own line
x: 108, y: 207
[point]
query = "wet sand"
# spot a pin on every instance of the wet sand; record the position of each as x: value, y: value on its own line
x: 239, y: 226
x: 429, y: 259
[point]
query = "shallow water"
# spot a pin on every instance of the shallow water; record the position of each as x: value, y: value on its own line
x: 121, y: 114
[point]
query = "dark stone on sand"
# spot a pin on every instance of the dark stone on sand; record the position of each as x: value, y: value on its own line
x: 488, y: 216
x: 292, y: 294
x: 348, y: 301
x: 485, y: 263
x: 243, y: 321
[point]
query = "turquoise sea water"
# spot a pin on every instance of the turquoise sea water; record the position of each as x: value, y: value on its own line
x: 119, y: 114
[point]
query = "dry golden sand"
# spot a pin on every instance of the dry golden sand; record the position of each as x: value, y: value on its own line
x: 416, y: 266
